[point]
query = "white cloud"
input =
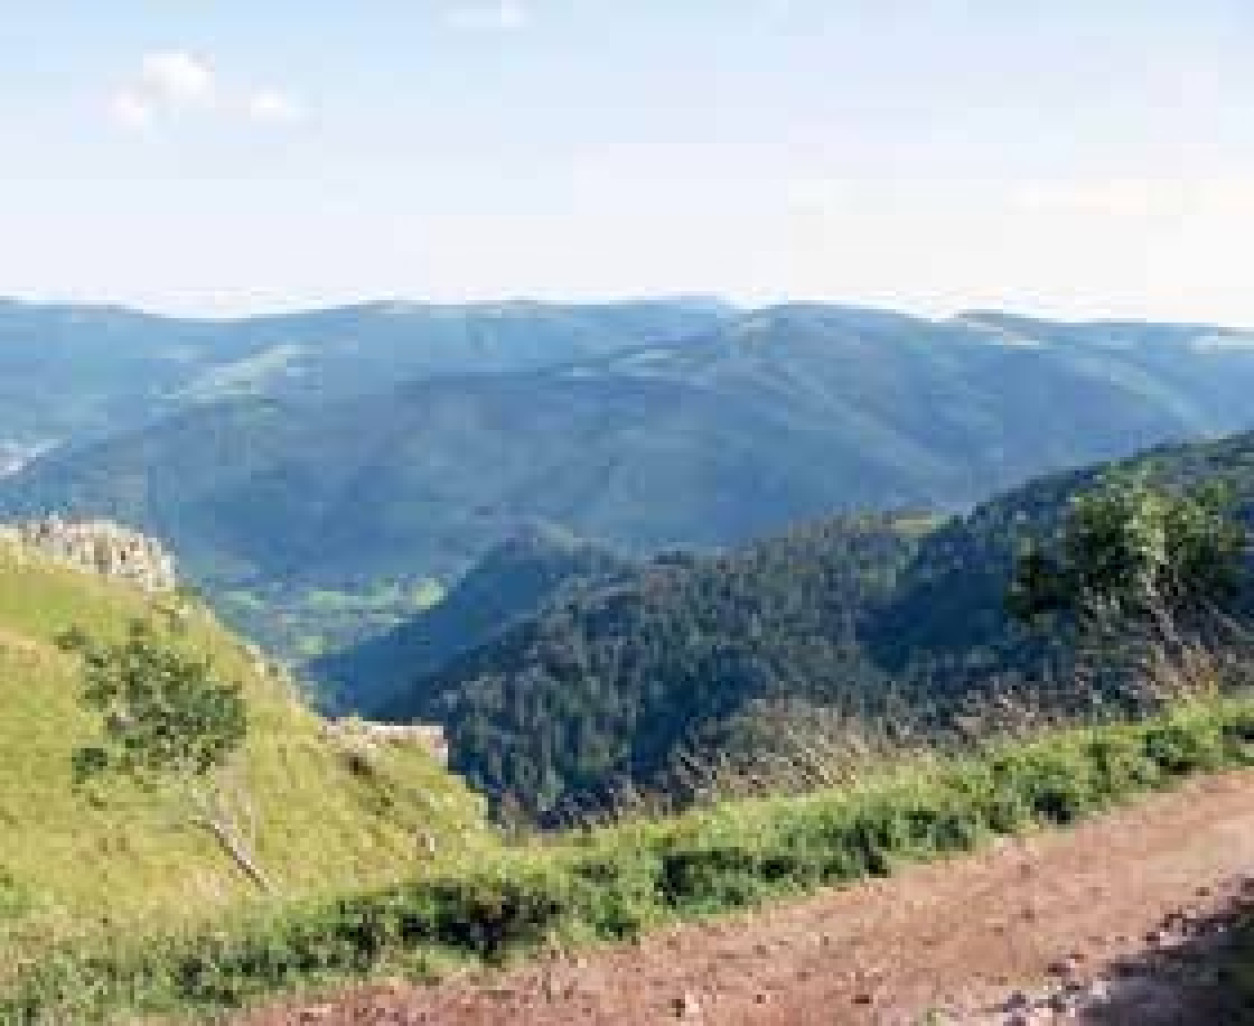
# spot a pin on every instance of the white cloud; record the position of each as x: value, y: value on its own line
x: 501, y: 16
x: 130, y: 111
x: 174, y: 83
x: 270, y: 106
x: 176, y: 78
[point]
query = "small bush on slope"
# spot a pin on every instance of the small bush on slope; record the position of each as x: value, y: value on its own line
x: 615, y: 882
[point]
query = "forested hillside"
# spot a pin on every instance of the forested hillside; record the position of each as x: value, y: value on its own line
x: 862, y: 618
x: 614, y: 683
x: 947, y: 629
x: 514, y: 580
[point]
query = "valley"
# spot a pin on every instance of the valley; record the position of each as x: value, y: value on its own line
x: 382, y: 446
x: 549, y: 512
x: 751, y: 656
x: 657, y: 630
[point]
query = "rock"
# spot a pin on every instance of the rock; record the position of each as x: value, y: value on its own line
x: 687, y: 1006
x: 100, y: 547
x: 359, y: 736
x: 1059, y: 1002
x: 1098, y: 992
x: 1017, y: 1002
x: 317, y: 1013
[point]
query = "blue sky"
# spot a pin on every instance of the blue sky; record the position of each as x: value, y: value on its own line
x: 1075, y: 158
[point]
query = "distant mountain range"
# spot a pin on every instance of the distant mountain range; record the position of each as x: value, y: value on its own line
x: 70, y: 373
x: 400, y: 442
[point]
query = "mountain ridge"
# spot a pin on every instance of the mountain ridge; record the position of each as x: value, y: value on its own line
x: 326, y: 461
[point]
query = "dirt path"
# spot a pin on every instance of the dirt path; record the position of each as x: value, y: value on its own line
x: 990, y: 938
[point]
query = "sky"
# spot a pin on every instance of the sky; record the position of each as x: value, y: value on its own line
x: 1072, y: 158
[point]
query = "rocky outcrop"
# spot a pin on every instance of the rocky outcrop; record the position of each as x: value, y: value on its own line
x: 100, y: 547
x: 421, y: 735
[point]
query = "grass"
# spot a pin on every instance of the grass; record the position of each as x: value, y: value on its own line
x: 612, y: 883
x: 301, y: 625
x: 111, y: 910
x: 74, y: 865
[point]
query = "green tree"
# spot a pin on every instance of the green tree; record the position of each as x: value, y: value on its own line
x: 167, y: 721
x: 1130, y: 551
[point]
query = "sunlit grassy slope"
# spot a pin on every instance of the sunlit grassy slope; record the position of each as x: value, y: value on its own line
x: 331, y: 814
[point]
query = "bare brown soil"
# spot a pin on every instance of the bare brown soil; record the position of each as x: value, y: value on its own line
x: 1036, y: 930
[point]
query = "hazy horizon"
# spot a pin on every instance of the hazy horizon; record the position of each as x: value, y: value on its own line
x: 1071, y: 161
x: 279, y: 310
